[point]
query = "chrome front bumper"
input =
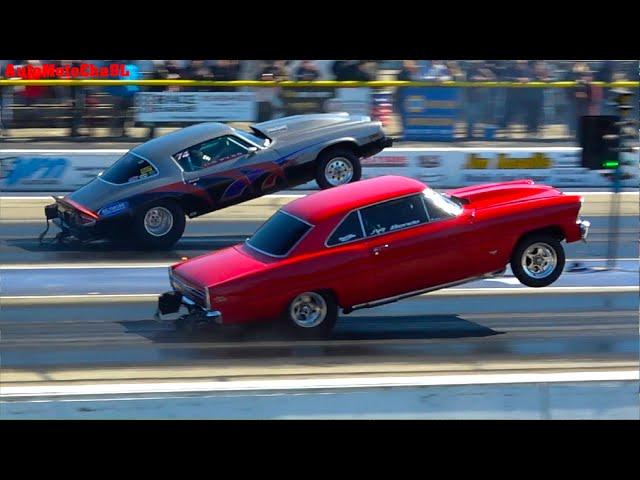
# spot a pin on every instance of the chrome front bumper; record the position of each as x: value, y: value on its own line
x: 172, y: 302
x: 584, y: 228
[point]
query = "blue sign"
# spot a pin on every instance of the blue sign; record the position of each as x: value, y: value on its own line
x: 429, y: 113
x: 36, y: 170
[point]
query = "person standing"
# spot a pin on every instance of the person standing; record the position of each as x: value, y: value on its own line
x: 306, y: 71
x: 477, y: 97
x: 123, y: 99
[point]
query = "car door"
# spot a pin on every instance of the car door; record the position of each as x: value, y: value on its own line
x: 346, y: 265
x: 227, y: 168
x: 408, y: 250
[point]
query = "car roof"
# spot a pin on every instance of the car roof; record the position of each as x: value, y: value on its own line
x: 338, y: 201
x: 166, y: 145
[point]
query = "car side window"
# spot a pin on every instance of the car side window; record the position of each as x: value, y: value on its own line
x: 348, y: 231
x: 210, y: 153
x: 394, y: 215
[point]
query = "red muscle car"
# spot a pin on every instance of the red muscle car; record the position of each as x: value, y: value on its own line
x: 373, y: 242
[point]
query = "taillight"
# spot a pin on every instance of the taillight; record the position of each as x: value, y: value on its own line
x: 86, y: 219
x: 84, y: 212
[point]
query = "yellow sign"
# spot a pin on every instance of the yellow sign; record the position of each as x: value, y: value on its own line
x: 504, y: 161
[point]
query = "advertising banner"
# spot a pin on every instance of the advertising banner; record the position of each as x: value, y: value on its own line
x: 66, y: 170
x: 155, y: 107
x: 429, y: 113
x: 57, y: 171
x: 301, y: 101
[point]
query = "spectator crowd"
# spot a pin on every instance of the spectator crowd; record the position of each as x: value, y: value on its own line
x: 533, y: 108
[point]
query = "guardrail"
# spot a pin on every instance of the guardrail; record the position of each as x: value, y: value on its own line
x: 295, y: 84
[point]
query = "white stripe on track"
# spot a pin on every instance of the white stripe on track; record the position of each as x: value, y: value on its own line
x: 97, y: 265
x: 7, y: 392
x: 451, y: 292
x: 298, y: 195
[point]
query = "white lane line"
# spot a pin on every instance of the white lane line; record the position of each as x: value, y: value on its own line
x: 452, y: 292
x: 297, y: 195
x: 110, y: 296
x: 507, y: 280
x: 111, y: 265
x: 315, y: 383
x: 73, y: 266
x: 55, y: 151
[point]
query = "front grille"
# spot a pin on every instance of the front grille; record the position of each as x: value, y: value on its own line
x: 197, y: 294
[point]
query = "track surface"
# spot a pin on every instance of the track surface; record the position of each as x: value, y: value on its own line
x: 83, y: 314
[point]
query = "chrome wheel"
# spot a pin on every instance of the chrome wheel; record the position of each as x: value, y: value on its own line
x: 158, y: 221
x: 339, y: 171
x: 539, y: 260
x: 308, y: 310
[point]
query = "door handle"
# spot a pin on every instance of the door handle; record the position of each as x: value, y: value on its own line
x: 377, y: 250
x: 194, y: 180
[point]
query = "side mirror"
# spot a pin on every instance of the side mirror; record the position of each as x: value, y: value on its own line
x: 252, y: 150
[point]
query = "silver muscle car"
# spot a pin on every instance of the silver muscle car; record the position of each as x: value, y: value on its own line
x: 146, y: 195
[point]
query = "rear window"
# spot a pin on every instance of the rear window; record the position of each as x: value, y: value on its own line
x: 278, y: 235
x: 129, y: 168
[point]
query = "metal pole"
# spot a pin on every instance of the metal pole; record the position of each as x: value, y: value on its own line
x: 612, y: 244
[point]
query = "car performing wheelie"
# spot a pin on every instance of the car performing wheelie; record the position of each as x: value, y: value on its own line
x: 375, y: 242
x: 145, y: 195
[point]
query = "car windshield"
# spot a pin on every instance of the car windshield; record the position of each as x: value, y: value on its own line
x: 254, y: 137
x: 278, y: 235
x: 440, y: 205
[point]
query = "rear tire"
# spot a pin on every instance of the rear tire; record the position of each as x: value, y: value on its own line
x: 159, y: 225
x: 312, y: 315
x: 337, y: 166
x: 538, y: 260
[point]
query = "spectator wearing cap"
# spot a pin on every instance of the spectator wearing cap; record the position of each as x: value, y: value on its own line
x: 265, y: 96
x: 578, y: 96
x: 352, y: 70
x: 409, y: 71
x: 306, y: 71
x: 199, y: 70
x: 226, y: 71
x: 174, y: 72
x: 438, y: 72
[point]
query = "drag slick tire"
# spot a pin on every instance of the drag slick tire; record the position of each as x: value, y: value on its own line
x: 338, y: 166
x: 159, y: 225
x: 312, y: 314
x: 538, y: 260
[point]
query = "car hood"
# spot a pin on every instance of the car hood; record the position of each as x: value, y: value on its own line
x: 299, y: 124
x: 217, y: 267
x: 493, y: 194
